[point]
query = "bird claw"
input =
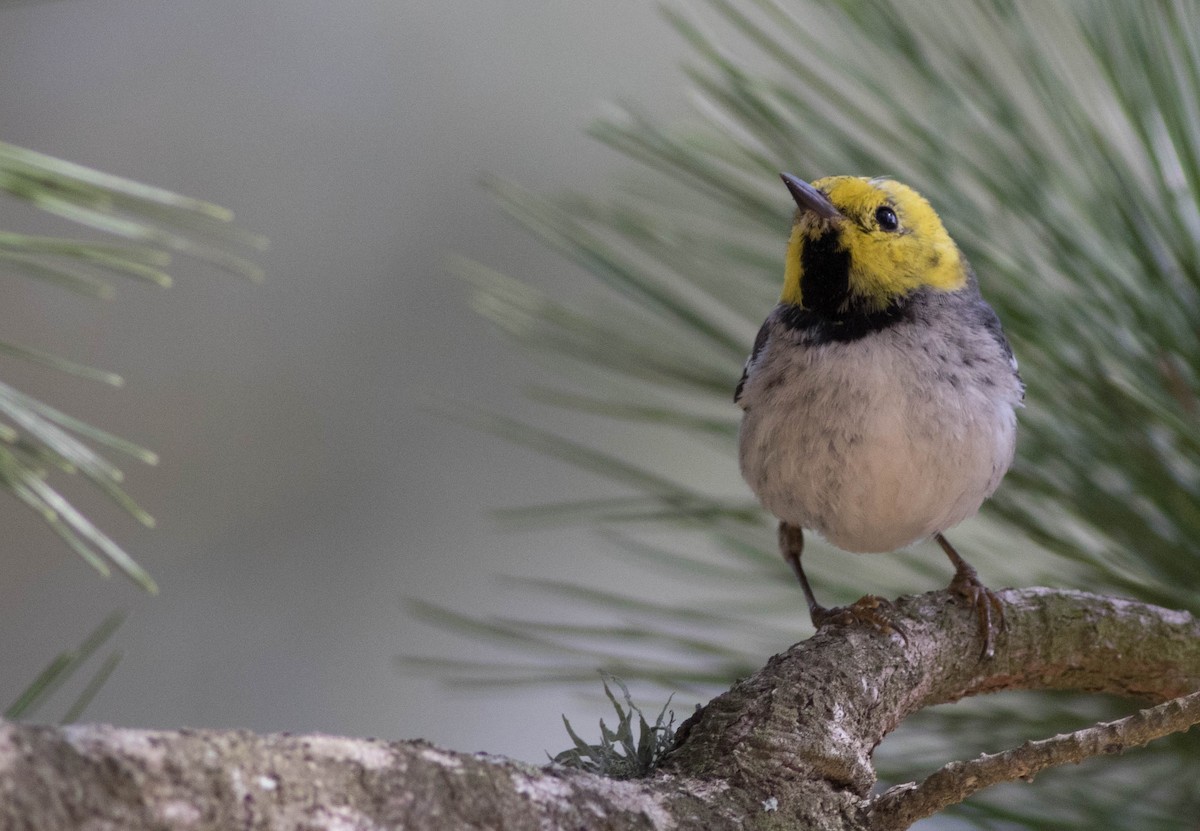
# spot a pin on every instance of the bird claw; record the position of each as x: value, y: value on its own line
x: 987, y: 606
x: 872, y: 611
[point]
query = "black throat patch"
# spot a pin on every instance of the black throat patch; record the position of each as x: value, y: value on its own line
x: 824, y: 274
x: 819, y: 328
x: 830, y: 312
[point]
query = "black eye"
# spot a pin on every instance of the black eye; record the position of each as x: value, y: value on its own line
x: 886, y: 218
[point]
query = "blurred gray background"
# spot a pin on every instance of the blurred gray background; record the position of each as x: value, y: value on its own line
x: 308, y: 482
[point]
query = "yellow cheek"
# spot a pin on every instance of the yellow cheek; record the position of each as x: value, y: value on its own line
x: 944, y: 268
x: 885, y: 268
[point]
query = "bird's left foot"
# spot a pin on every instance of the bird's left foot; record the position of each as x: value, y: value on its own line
x: 986, y: 604
x: 871, y: 611
x: 982, y: 599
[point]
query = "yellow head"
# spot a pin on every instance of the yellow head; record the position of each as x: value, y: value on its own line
x: 860, y: 246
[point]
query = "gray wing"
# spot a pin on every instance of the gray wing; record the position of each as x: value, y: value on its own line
x: 987, y: 316
x: 760, y: 341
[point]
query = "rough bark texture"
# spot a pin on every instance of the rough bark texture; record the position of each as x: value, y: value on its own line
x: 788, y: 747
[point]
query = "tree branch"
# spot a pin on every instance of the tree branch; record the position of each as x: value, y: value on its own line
x: 828, y: 702
x: 790, y: 745
x: 901, y: 806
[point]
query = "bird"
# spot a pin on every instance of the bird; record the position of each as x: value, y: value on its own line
x: 879, y: 399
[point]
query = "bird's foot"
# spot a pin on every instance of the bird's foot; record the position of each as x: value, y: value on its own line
x: 985, y: 602
x: 871, y: 611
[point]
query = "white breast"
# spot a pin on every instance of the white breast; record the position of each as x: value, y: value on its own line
x: 874, y: 446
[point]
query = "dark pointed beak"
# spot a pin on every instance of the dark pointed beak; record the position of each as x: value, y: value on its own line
x: 809, y: 198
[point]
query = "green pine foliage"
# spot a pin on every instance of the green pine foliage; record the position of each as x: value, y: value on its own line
x: 150, y: 225
x: 62, y: 668
x: 1060, y: 142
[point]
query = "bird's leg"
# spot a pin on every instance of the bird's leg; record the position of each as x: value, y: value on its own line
x: 985, y: 602
x: 871, y: 610
x: 791, y: 545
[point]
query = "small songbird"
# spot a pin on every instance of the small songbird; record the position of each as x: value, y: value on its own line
x: 879, y: 399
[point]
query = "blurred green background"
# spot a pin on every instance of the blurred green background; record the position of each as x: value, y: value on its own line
x: 322, y: 457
